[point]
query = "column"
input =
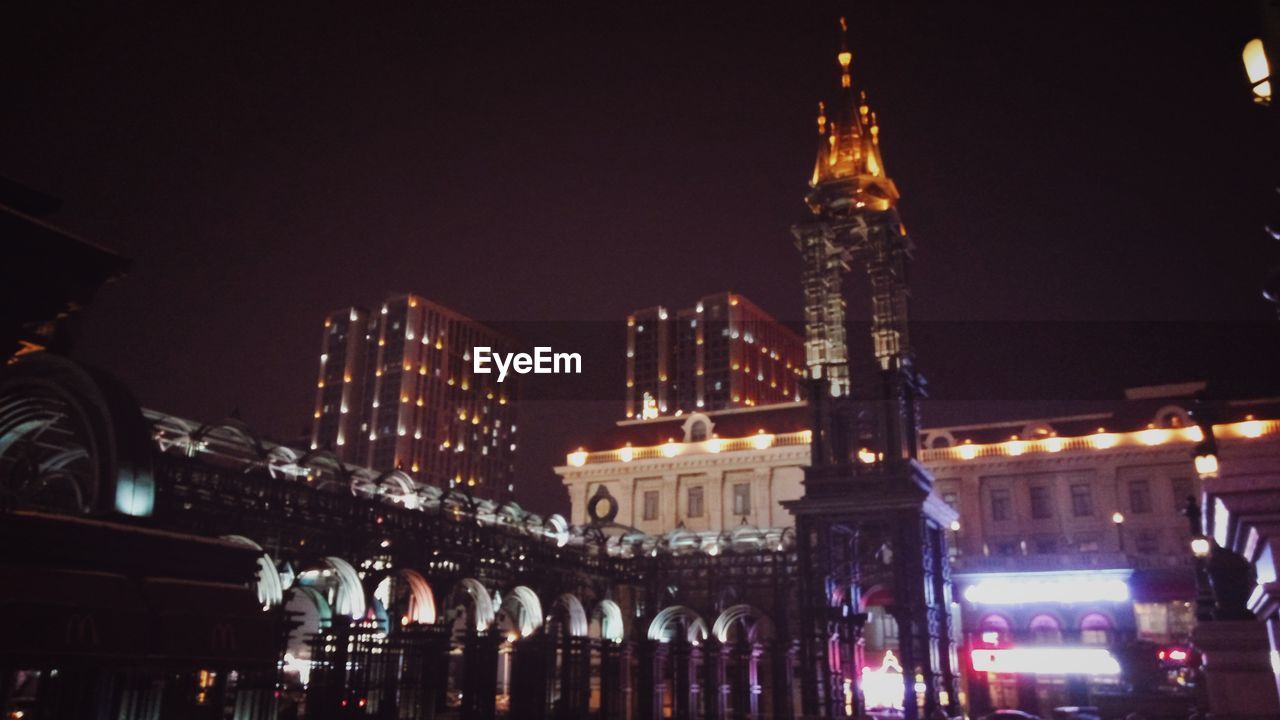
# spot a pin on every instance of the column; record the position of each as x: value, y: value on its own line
x: 1237, y: 669
x: 532, y: 662
x: 741, y: 683
x: 782, y: 688
x: 714, y: 681
x: 611, y: 680
x: 424, y: 670
x: 480, y: 675
x: 684, y: 678
x: 575, y: 678
x: 652, y: 679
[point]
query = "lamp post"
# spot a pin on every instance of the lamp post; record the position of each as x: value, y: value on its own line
x: 1201, y: 548
x: 1258, y: 55
x: 1117, y: 518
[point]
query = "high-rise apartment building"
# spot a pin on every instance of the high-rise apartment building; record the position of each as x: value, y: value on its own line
x: 724, y: 352
x: 396, y: 391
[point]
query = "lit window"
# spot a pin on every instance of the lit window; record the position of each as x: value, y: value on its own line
x: 1046, y: 630
x: 1095, y: 629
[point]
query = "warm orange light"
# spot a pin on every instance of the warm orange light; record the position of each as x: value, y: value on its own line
x: 1250, y: 428
x: 1258, y: 68
x: 968, y: 451
x: 1207, y: 466
x: 1015, y: 446
x: 1154, y: 436
x: 1102, y: 439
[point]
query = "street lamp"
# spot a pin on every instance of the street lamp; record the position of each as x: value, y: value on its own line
x: 1117, y: 517
x: 1206, y: 451
x: 1206, y: 462
x: 1258, y: 68
x: 1201, y: 547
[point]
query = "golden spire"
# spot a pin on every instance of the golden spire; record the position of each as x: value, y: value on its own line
x: 849, y: 143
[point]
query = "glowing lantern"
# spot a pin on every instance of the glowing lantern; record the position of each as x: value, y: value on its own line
x: 1257, y: 67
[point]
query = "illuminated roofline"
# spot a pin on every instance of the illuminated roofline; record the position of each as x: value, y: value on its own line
x: 966, y: 451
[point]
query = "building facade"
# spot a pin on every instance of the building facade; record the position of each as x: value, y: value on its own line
x: 1042, y: 503
x: 724, y: 352
x: 396, y: 390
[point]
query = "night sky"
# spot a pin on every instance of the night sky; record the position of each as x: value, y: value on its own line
x: 1086, y: 184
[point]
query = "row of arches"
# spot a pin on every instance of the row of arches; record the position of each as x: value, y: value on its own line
x: 535, y: 654
x: 1047, y: 628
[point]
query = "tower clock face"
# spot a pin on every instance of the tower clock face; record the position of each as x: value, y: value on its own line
x: 602, y: 508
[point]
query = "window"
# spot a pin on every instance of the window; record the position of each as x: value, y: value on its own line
x: 698, y: 432
x: 1095, y: 629
x: 1182, y: 489
x: 1041, y: 503
x: 650, y: 504
x: 742, y: 499
x: 1139, y: 497
x: 951, y: 499
x: 1081, y: 500
x: 999, y: 505
x: 994, y: 629
x: 695, y: 502
x: 1046, y: 629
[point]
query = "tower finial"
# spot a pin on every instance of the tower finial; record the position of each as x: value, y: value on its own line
x: 844, y: 57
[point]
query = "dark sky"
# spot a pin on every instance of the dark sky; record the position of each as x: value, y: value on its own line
x: 1086, y: 183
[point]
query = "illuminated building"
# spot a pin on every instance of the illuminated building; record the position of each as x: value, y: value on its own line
x: 724, y: 352
x: 1043, y: 504
x: 396, y: 391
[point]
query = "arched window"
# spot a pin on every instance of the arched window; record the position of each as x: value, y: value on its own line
x: 698, y: 431
x: 994, y: 629
x: 1095, y: 629
x: 1046, y: 629
x: 697, y: 428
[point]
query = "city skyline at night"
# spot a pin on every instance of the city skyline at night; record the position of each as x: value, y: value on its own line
x: 967, y: 408
x: 302, y: 165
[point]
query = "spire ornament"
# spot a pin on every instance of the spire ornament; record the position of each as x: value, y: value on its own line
x: 849, y: 170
